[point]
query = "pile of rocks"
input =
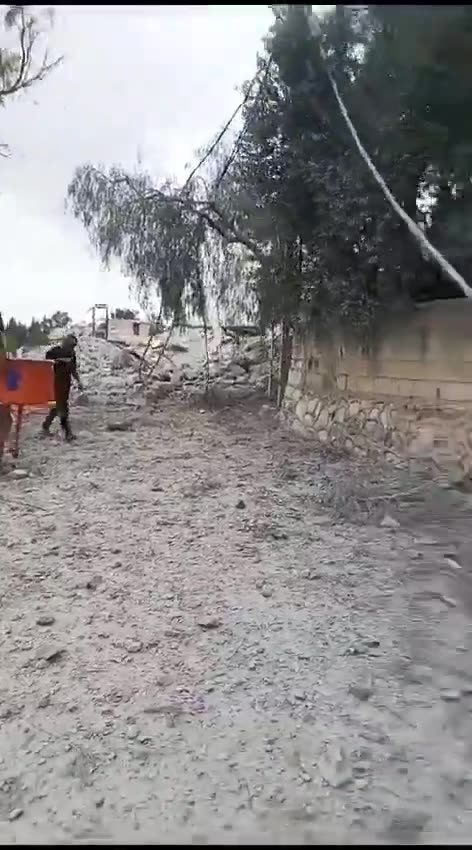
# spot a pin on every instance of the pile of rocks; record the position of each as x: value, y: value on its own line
x: 113, y: 374
x: 236, y: 368
x: 109, y: 374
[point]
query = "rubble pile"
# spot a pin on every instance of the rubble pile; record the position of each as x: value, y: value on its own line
x: 109, y: 375
x: 232, y: 367
x: 114, y: 374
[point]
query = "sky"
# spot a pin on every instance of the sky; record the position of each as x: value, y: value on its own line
x: 154, y: 82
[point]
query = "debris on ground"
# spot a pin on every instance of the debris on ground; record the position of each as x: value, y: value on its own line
x: 244, y: 674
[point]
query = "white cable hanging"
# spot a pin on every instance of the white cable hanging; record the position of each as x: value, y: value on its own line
x: 415, y: 231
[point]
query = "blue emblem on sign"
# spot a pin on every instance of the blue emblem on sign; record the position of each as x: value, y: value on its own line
x: 13, y: 380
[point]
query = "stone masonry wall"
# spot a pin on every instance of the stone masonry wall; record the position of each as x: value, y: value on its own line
x: 381, y: 426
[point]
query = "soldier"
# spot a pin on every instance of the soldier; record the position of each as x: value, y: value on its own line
x: 65, y: 368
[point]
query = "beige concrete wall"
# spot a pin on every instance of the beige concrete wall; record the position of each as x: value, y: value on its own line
x: 428, y: 356
x: 410, y: 396
x: 122, y: 330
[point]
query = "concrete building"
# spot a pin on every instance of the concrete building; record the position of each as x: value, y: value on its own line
x: 132, y: 331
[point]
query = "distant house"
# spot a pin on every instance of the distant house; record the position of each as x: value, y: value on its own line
x: 129, y: 330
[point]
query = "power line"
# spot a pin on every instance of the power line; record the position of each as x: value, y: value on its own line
x: 415, y: 231
x: 222, y: 133
x: 242, y: 132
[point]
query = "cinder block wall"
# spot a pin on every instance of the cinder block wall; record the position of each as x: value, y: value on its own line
x: 411, y: 394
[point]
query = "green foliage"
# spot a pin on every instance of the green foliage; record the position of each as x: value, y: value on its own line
x: 22, y: 62
x: 290, y: 220
x: 20, y: 335
x: 123, y: 313
x: 60, y: 319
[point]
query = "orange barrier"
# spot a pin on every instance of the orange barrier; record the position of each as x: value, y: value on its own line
x: 24, y: 383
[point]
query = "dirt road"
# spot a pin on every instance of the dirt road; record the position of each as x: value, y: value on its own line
x: 193, y: 650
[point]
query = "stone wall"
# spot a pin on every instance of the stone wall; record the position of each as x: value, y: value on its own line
x: 333, y: 391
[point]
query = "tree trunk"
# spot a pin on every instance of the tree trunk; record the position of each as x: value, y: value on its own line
x: 285, y: 360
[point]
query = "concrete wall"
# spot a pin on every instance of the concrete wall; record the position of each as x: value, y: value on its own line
x: 123, y: 330
x: 410, y: 394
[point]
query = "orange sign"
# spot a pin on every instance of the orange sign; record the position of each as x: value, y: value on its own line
x: 26, y: 382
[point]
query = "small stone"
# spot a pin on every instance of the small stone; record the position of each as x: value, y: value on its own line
x: 93, y: 583
x: 99, y: 802
x: 44, y: 701
x: 49, y: 652
x: 45, y: 620
x: 19, y: 475
x: 405, y: 826
x: 335, y: 768
x: 362, y: 767
x: 361, y: 692
x: 267, y: 591
x: 241, y: 504
x: 278, y: 534
x: 450, y: 695
x: 451, y: 562
x: 15, y: 814
x: 209, y: 623
x: 389, y: 522
x: 132, y: 733
x: 120, y: 426
x: 362, y: 647
x: 133, y: 645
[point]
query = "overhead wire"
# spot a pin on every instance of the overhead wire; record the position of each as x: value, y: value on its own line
x: 221, y: 134
x: 239, y: 139
x: 412, y: 226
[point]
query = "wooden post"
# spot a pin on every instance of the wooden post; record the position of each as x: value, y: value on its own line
x: 18, y: 424
x: 5, y: 427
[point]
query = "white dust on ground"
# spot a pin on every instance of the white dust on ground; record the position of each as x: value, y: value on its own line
x: 219, y: 660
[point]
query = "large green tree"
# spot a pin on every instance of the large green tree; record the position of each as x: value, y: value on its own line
x: 292, y: 208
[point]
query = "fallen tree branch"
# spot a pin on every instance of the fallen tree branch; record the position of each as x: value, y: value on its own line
x: 160, y: 355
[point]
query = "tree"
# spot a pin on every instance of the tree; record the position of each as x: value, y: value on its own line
x: 22, y: 62
x: 19, y: 335
x: 60, y: 319
x: 293, y: 202
x: 123, y: 313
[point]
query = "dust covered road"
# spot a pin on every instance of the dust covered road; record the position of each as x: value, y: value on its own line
x: 192, y: 649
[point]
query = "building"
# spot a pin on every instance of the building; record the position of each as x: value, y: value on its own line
x: 132, y: 331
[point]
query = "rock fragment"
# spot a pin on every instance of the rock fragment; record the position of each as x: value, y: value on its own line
x: 45, y: 620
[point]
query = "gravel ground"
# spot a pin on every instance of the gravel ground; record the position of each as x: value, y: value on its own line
x: 195, y: 648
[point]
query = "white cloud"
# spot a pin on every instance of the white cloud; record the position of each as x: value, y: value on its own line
x: 158, y: 81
